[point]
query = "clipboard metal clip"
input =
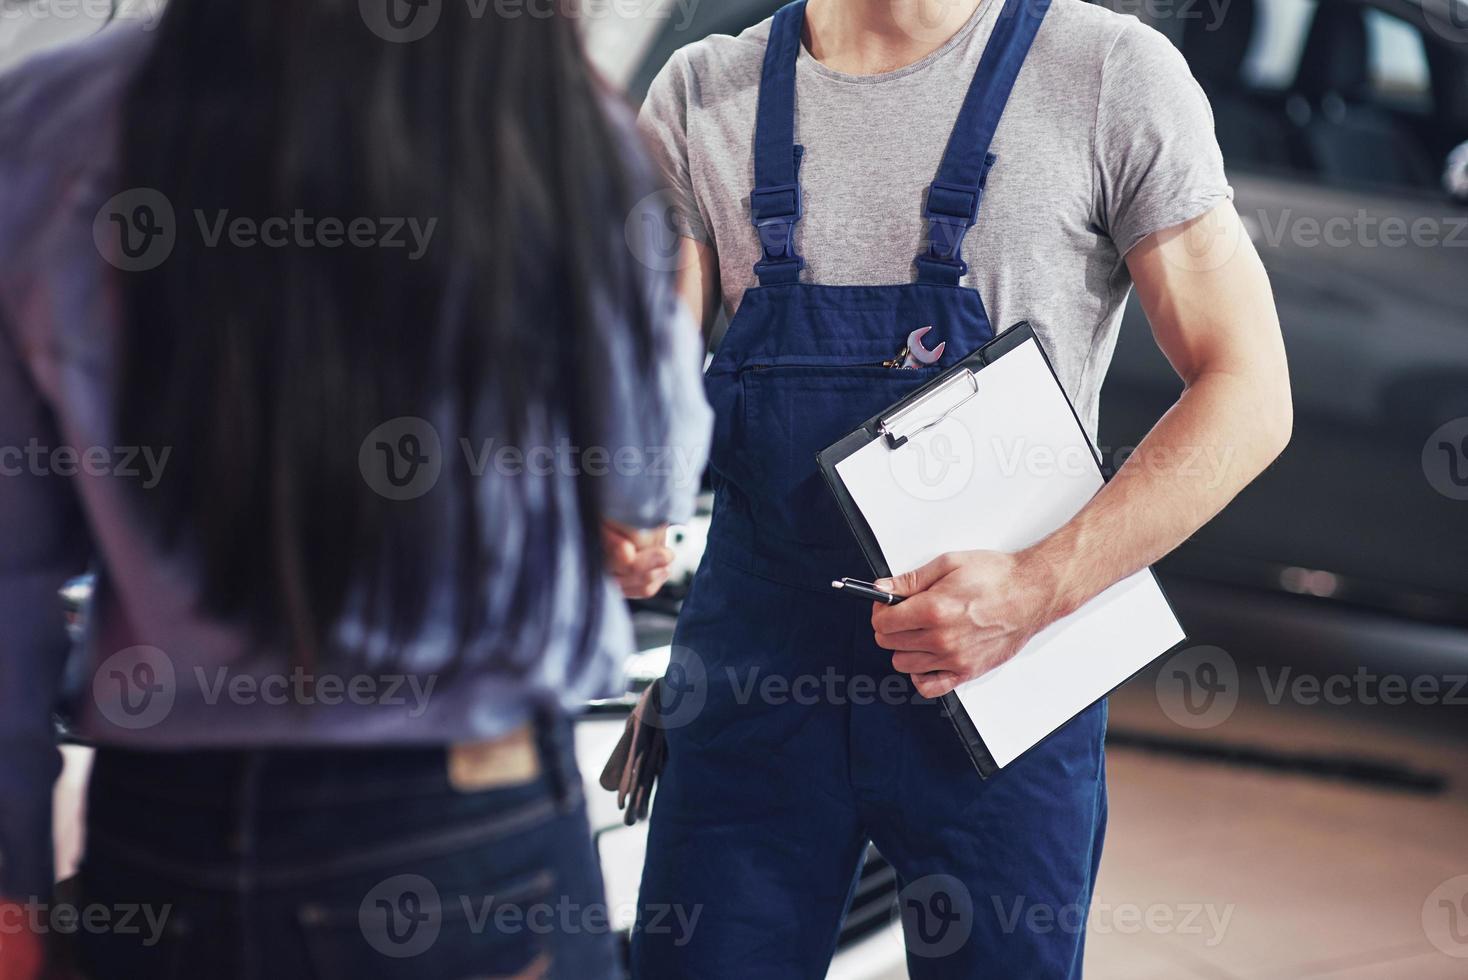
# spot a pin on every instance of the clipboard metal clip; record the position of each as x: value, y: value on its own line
x: 945, y: 399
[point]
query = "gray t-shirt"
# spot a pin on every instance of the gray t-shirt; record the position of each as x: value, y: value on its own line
x: 1106, y: 139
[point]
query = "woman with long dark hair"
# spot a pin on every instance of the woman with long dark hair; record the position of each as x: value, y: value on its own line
x: 325, y: 342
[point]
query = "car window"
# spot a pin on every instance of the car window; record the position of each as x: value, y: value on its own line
x: 1399, y: 74
x: 1377, y: 133
x: 1398, y: 55
x: 1279, y: 40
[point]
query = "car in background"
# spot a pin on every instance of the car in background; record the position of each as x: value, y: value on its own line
x: 1336, y: 120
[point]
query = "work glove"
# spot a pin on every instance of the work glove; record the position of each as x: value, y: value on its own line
x: 638, y: 757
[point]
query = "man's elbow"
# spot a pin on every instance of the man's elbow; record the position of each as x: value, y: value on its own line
x: 1276, y: 418
x: 1262, y: 406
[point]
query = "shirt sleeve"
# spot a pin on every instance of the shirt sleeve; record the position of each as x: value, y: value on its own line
x: 1157, y: 158
x: 659, y: 423
x: 664, y: 124
x: 44, y: 544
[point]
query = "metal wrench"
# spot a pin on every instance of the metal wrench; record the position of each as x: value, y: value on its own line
x: 916, y: 355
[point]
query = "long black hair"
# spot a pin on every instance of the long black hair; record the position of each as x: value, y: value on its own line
x: 264, y: 367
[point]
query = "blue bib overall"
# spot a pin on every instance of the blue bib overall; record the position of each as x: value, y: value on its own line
x: 791, y: 741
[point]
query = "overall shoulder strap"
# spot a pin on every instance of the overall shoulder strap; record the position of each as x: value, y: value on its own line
x: 775, y: 205
x: 952, y: 207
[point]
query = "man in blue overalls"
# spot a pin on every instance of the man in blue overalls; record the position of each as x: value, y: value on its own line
x: 801, y: 728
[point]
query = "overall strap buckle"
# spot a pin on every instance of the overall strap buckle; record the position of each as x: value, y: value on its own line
x: 774, y: 211
x: 951, y: 210
x: 952, y: 207
x: 775, y: 205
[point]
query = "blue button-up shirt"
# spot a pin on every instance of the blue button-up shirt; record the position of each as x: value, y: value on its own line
x: 153, y: 670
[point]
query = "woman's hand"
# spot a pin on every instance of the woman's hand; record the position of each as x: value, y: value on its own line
x: 638, y: 560
x: 966, y: 613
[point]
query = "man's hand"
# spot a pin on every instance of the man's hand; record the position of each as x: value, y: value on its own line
x: 966, y: 613
x: 638, y: 560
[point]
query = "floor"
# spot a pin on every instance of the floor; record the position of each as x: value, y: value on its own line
x: 1227, y: 871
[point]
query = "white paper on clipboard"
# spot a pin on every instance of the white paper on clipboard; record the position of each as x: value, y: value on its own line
x: 1002, y: 470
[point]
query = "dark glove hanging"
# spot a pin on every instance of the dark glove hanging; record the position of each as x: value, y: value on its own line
x: 639, y: 756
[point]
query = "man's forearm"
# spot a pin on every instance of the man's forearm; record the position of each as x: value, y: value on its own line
x: 1222, y: 432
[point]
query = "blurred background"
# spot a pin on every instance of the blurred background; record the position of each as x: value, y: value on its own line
x: 1289, y: 793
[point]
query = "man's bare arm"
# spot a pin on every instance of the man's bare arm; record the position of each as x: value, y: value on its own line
x: 698, y: 281
x: 1212, y: 312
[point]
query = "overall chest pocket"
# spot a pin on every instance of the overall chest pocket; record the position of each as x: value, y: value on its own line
x: 792, y: 412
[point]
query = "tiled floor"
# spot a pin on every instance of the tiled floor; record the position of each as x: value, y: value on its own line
x: 1251, y: 873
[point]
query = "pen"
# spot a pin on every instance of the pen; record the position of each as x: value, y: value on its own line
x: 866, y: 590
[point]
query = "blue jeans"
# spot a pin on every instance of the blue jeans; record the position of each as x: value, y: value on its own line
x: 339, y: 863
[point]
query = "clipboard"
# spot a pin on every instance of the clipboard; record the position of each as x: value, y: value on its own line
x: 923, y: 415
